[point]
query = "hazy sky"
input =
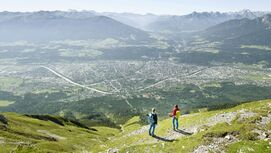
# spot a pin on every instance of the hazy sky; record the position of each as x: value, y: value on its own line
x: 137, y: 6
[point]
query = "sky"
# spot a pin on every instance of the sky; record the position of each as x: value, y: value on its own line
x: 177, y: 7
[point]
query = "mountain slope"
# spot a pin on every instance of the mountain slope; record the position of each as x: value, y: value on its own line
x: 43, y: 133
x: 198, y: 21
x: 55, y: 26
x: 192, y: 22
x: 134, y: 20
x: 240, y: 128
x: 245, y: 127
x: 236, y: 41
x: 249, y: 31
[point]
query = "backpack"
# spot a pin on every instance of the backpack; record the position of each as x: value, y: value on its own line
x: 178, y: 113
x: 150, y: 118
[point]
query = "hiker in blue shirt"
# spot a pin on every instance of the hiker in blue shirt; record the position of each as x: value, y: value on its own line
x: 153, y: 121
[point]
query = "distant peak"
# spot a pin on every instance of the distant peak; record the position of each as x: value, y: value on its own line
x: 204, y: 14
x: 266, y: 19
x: 246, y: 11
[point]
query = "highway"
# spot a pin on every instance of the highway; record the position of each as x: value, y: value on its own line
x: 74, y: 83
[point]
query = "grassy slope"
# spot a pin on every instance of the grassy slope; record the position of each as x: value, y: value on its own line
x: 26, y: 134
x: 23, y: 134
x: 143, y: 143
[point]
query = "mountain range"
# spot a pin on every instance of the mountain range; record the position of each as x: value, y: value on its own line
x: 242, y: 31
x: 44, y: 25
x: 198, y: 21
x: 171, y: 23
x: 55, y: 25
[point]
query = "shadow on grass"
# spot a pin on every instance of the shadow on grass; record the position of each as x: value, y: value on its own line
x: 183, y: 132
x: 163, y: 139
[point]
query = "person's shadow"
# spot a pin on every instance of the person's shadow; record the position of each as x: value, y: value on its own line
x: 183, y: 132
x: 163, y: 139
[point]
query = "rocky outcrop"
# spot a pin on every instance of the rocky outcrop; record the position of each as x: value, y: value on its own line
x: 3, y: 119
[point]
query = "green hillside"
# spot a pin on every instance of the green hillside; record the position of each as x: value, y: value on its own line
x: 244, y: 128
x: 49, y: 134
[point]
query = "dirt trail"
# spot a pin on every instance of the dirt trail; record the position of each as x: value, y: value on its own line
x: 51, y: 134
x: 216, y: 145
x: 172, y: 135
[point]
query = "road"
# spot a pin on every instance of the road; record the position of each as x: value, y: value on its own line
x: 74, y: 83
x: 173, y: 78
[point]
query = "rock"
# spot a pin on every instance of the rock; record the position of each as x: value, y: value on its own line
x: 261, y: 134
x: 228, y: 137
x: 265, y: 120
x: 112, y: 150
x: 245, y: 114
x: 264, y: 135
x: 216, y: 145
x: 3, y: 119
x: 201, y: 149
x: 220, y: 118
